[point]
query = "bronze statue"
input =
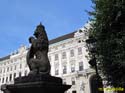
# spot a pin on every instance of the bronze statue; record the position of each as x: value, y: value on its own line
x: 37, y: 56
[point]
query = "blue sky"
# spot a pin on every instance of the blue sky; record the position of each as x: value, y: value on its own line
x: 19, y: 18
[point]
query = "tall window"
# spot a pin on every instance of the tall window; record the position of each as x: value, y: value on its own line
x: 10, y: 77
x: 4, y: 70
x: 11, y: 68
x: 3, y: 80
x: 79, y: 50
x: 6, y: 79
x: 15, y: 67
x: 56, y: 57
x: 14, y: 75
x: 71, y: 53
x: 63, y: 55
x: 19, y: 74
x: 64, y: 69
x: 72, y: 67
x: 80, y: 66
x: 7, y: 69
x: 57, y: 68
x: 20, y: 66
x: 56, y: 71
x: 73, y: 81
x: 64, y: 81
x: 0, y: 70
x: 25, y: 72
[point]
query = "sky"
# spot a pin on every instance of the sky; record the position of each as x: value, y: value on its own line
x: 19, y: 18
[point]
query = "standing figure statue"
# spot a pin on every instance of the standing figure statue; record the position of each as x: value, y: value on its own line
x: 37, y: 56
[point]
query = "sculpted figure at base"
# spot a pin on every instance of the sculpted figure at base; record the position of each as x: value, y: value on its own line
x: 37, y: 56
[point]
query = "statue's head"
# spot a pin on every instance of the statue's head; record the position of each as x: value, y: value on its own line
x: 40, y: 30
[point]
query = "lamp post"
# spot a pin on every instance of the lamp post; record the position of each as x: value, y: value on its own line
x: 91, y: 42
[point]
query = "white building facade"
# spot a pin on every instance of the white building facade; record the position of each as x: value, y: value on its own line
x: 67, y: 55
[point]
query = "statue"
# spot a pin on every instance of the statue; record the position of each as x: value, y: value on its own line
x: 39, y: 79
x: 37, y: 56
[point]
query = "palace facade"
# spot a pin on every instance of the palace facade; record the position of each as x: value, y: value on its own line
x: 68, y: 59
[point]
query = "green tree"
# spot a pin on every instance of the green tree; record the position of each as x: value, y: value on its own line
x: 108, y: 28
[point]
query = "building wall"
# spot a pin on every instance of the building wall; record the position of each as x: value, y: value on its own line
x: 67, y: 58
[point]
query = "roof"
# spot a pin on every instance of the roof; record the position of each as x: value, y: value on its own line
x: 4, y: 58
x: 64, y: 37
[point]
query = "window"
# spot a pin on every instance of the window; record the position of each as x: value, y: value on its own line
x: 3, y: 80
x: 80, y: 66
x: 64, y: 69
x: 7, y: 69
x: 56, y: 71
x: 19, y: 74
x: 79, y: 51
x: 63, y: 55
x: 6, y: 79
x: 56, y: 68
x: 25, y: 72
x: 72, y: 67
x: 56, y: 57
x: 64, y: 81
x: 71, y: 53
x: 15, y: 67
x: 0, y: 70
x: 10, y: 77
x: 11, y: 68
x: 74, y: 91
x: 73, y: 81
x: 20, y: 66
x: 14, y: 75
x: 4, y: 70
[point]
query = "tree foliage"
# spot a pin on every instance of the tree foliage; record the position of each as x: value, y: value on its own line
x: 108, y: 29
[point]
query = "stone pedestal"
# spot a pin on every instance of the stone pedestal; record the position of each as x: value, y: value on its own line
x: 36, y: 84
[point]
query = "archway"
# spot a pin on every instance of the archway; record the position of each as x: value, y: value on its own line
x: 96, y: 85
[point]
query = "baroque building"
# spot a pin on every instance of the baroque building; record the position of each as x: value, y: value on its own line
x: 68, y: 59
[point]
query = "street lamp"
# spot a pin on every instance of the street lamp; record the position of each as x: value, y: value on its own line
x: 91, y: 42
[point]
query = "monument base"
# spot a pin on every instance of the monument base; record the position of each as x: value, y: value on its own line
x: 53, y: 85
